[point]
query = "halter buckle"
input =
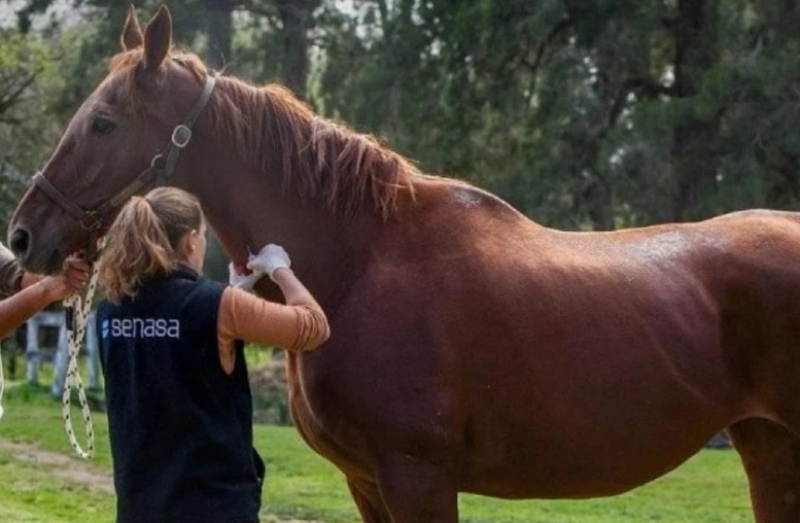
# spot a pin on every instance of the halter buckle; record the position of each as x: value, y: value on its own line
x: 91, y: 220
x: 181, y: 136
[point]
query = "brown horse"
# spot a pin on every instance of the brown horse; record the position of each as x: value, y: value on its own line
x: 472, y: 350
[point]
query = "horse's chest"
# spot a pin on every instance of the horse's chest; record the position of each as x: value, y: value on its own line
x: 335, y: 441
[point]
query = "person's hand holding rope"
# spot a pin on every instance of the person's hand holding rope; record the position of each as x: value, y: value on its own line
x: 73, y: 277
x: 14, y: 311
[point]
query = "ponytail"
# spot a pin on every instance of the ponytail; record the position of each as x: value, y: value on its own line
x: 144, y: 239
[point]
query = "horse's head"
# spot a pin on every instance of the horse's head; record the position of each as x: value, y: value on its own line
x: 121, y: 139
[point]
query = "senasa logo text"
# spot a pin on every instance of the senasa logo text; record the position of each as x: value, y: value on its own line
x: 141, y: 328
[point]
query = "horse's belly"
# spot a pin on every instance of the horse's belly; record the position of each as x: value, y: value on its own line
x: 595, y: 463
x: 597, y: 413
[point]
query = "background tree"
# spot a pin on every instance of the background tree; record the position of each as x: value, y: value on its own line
x: 591, y: 115
x: 28, y: 79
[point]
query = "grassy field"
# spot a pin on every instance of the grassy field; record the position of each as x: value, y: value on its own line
x: 42, y: 483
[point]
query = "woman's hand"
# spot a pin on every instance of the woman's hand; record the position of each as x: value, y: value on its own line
x: 271, y: 258
x: 242, y: 281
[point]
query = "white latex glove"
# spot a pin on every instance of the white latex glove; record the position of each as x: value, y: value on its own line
x: 242, y: 281
x: 271, y: 258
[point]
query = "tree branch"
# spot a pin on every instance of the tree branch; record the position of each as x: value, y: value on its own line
x: 561, y: 26
x: 640, y: 85
x: 14, y: 96
x: 258, y: 9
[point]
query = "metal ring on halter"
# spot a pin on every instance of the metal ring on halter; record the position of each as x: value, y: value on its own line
x: 181, y: 136
x: 91, y: 220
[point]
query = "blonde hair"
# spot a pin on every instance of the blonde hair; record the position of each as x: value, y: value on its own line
x: 144, y: 239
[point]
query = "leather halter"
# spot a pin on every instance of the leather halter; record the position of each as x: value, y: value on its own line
x: 161, y: 168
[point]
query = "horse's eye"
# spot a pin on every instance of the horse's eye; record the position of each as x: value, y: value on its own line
x: 102, y: 125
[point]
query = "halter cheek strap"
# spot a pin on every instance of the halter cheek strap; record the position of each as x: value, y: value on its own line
x: 182, y: 134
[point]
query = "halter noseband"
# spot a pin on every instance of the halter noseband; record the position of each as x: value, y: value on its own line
x: 161, y: 168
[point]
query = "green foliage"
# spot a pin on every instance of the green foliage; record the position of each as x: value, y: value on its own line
x: 29, y: 81
x: 581, y: 114
x: 574, y: 111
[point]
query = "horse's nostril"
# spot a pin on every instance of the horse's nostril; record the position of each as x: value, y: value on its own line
x: 20, y: 240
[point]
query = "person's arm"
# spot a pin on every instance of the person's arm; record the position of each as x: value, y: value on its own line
x: 298, y: 326
x: 15, y: 310
x: 294, y: 292
x: 12, y: 277
x: 28, y: 279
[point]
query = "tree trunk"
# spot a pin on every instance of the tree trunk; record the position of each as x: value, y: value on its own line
x: 694, y: 154
x: 220, y: 24
x: 296, y: 20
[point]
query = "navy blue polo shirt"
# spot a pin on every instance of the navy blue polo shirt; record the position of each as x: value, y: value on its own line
x: 180, y: 427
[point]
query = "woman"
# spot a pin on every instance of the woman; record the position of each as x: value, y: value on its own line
x: 30, y: 292
x: 178, y: 398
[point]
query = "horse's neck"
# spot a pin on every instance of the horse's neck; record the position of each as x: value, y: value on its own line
x: 248, y: 210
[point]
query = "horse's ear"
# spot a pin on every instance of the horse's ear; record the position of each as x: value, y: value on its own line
x: 157, y: 39
x: 131, y: 37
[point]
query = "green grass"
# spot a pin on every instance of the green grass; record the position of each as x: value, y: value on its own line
x: 301, y: 485
x: 709, y: 488
x: 31, y: 493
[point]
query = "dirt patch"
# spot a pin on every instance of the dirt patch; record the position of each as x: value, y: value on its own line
x: 61, y: 466
x: 74, y: 470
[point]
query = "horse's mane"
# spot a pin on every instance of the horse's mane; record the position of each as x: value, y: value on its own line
x: 317, y: 158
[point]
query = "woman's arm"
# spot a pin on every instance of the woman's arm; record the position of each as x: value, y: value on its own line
x: 298, y: 326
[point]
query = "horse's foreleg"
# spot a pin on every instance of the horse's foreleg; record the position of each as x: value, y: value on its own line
x: 416, y: 491
x: 771, y: 457
x: 368, y: 500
